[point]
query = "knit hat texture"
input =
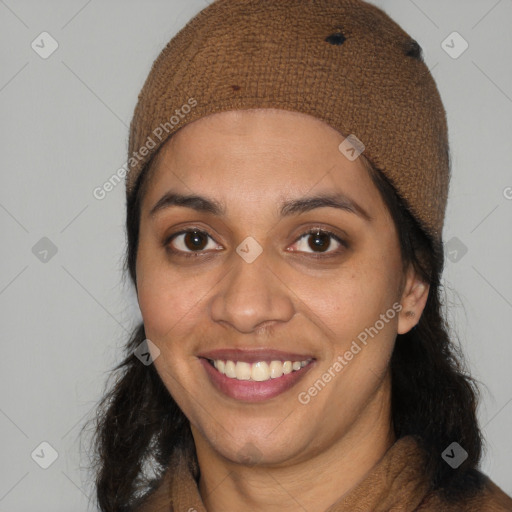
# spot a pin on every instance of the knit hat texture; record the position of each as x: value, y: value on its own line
x: 345, y: 62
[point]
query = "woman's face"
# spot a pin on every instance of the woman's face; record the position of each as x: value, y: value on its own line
x: 253, y: 286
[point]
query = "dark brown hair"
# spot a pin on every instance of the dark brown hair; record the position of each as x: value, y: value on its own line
x: 139, y: 427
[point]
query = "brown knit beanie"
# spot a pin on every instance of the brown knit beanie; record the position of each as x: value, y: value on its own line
x: 343, y: 61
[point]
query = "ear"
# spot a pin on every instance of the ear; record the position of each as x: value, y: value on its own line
x: 413, y: 300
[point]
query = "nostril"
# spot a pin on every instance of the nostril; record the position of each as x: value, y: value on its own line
x: 413, y: 49
x: 336, y: 39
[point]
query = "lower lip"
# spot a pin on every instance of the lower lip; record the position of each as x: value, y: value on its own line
x: 252, y: 391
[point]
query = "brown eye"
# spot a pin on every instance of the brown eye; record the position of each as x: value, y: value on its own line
x: 194, y: 240
x: 189, y: 241
x: 319, y: 241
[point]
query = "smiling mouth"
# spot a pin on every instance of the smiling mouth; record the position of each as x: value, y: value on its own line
x: 259, y: 371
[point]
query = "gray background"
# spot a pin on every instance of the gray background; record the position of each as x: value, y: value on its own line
x: 64, y: 130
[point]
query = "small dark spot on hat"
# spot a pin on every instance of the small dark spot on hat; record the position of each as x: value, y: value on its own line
x: 336, y: 39
x: 235, y: 87
x: 413, y: 49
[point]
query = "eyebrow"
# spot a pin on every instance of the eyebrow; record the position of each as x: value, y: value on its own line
x: 288, y: 208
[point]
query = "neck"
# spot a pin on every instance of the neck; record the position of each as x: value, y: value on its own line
x: 313, y: 484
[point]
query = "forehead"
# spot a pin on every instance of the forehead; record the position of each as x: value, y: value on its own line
x: 260, y: 155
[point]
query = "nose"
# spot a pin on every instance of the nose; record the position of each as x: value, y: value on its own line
x: 252, y: 297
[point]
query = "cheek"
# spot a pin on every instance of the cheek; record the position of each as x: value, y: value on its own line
x: 160, y: 302
x: 358, y: 314
x: 172, y: 300
x: 163, y: 301
x: 352, y: 298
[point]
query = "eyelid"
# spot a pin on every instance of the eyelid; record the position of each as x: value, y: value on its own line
x: 342, y: 241
x: 309, y: 231
x: 185, y: 231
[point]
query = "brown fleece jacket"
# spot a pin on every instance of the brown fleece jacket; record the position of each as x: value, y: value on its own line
x: 397, y: 483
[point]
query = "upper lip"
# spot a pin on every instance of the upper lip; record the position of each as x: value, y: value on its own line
x: 253, y: 355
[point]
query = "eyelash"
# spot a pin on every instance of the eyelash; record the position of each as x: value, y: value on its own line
x: 312, y: 231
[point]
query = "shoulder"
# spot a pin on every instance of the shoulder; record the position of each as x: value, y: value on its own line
x: 159, y: 500
x: 490, y: 499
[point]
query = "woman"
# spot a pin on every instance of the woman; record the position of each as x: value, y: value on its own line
x: 289, y: 172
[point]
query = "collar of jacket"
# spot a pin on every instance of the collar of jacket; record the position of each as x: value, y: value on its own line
x: 398, y: 482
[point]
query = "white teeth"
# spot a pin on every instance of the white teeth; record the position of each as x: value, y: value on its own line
x: 276, y: 369
x: 230, y: 370
x: 220, y: 365
x: 259, y: 371
x: 243, y: 370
